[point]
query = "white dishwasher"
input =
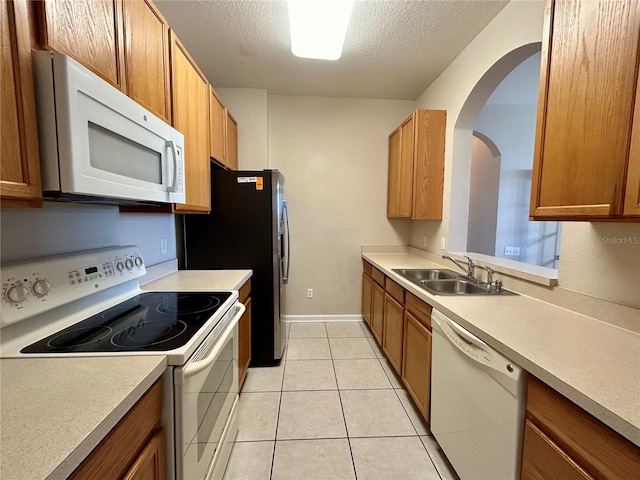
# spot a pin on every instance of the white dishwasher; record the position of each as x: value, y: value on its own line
x: 477, y: 403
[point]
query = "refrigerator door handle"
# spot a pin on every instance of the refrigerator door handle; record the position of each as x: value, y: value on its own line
x: 285, y: 211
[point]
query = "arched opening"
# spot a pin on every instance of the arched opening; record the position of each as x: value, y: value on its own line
x: 492, y: 163
x: 483, y: 195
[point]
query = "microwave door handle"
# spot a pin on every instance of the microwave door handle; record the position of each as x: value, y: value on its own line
x: 174, y: 157
x: 194, y: 368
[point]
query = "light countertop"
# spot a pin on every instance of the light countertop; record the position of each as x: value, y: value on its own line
x: 54, y: 411
x: 594, y: 364
x: 200, y: 280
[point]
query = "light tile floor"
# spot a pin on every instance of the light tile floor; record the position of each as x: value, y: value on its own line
x: 333, y: 409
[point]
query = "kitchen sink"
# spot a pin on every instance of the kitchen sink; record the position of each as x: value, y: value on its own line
x: 447, y: 282
x: 416, y: 275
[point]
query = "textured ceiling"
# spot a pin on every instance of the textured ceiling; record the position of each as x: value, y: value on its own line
x: 393, y: 49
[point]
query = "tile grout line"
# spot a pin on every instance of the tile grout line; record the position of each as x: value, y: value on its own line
x: 275, y: 440
x: 344, y: 418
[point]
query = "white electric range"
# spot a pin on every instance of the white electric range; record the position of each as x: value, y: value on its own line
x: 90, y: 304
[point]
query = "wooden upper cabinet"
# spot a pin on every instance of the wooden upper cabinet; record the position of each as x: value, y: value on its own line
x: 231, y: 153
x: 20, y: 184
x: 217, y: 125
x: 632, y: 192
x: 416, y: 166
x: 89, y: 31
x: 146, y: 56
x: 190, y: 112
x: 588, y: 84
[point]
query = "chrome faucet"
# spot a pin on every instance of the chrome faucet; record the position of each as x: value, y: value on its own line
x: 468, y: 269
x: 489, y: 274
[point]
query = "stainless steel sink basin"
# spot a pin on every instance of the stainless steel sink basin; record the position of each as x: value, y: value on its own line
x: 447, y: 282
x: 453, y: 287
x: 417, y: 275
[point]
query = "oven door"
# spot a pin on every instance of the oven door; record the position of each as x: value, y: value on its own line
x: 206, y: 388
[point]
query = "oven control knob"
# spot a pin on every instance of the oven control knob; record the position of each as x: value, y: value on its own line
x: 41, y: 287
x: 16, y: 294
x: 129, y: 263
x: 120, y: 266
x: 138, y: 261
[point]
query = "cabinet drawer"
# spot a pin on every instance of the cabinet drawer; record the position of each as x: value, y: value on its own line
x: 597, y: 448
x: 544, y: 460
x: 421, y: 310
x: 378, y: 277
x: 366, y: 266
x: 395, y: 290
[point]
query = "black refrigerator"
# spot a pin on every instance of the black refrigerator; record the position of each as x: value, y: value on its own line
x: 248, y: 228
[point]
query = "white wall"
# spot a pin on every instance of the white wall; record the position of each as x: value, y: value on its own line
x: 66, y: 227
x: 333, y: 153
x: 588, y: 265
x: 249, y: 107
x: 483, y: 202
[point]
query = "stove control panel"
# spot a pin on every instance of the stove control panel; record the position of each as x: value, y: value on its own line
x: 35, y: 286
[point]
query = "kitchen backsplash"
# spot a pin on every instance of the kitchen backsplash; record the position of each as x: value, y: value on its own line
x: 65, y: 227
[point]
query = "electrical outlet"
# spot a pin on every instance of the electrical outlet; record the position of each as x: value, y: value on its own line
x: 163, y: 246
x: 512, y: 251
x: 425, y: 240
x: 309, y: 292
x: 443, y: 243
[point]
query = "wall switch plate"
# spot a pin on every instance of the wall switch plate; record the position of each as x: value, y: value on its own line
x: 425, y: 240
x: 163, y: 246
x: 443, y: 243
x: 309, y: 292
x: 512, y: 251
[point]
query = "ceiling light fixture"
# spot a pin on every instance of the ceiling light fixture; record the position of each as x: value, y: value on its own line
x: 319, y: 27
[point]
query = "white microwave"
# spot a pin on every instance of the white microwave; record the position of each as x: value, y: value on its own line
x: 97, y: 144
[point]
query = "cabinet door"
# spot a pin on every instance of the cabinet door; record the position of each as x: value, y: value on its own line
x: 585, y: 110
x: 190, y: 100
x: 231, y: 157
x: 146, y: 56
x: 632, y: 192
x: 377, y: 312
x: 406, y: 169
x: 428, y: 167
x: 542, y: 459
x: 366, y: 297
x: 89, y: 31
x: 416, y: 362
x: 393, y: 328
x: 150, y: 465
x: 217, y: 121
x: 20, y: 166
x: 244, y: 343
x: 393, y: 188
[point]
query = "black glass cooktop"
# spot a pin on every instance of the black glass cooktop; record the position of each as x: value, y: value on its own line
x: 154, y: 321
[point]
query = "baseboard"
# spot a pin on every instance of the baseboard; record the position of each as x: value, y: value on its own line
x: 322, y: 318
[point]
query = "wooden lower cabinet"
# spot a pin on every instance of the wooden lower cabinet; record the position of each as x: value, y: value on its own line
x: 416, y: 362
x: 393, y: 329
x: 377, y: 312
x: 244, y: 334
x: 134, y: 449
x: 366, y: 297
x: 542, y: 459
x: 150, y: 465
x: 562, y: 441
x: 244, y: 343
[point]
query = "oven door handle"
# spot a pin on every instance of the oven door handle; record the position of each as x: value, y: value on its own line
x: 195, y: 368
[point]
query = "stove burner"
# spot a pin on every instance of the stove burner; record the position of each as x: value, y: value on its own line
x: 186, y: 304
x: 79, y: 336
x: 148, y: 333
